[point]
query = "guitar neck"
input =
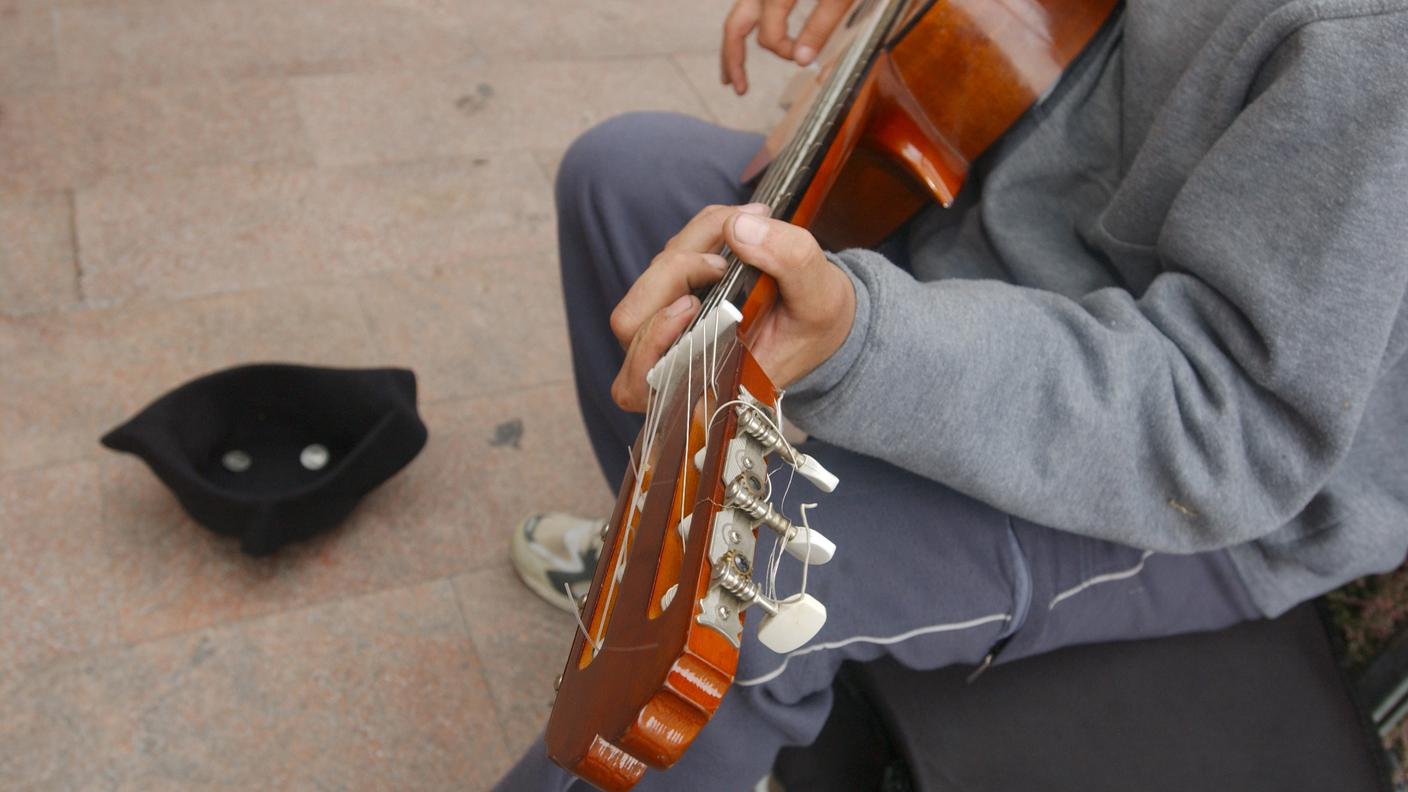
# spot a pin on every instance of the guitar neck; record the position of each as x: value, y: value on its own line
x: 789, y: 174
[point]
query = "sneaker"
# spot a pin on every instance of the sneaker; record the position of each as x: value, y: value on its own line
x: 553, y: 552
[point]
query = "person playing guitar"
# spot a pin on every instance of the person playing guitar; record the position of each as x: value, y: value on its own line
x: 1144, y: 377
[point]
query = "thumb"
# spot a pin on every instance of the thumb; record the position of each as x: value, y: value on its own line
x: 787, y: 252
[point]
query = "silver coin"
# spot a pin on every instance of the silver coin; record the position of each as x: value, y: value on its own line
x: 314, y: 457
x: 236, y: 461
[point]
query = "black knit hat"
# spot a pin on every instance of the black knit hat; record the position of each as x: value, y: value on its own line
x: 274, y: 453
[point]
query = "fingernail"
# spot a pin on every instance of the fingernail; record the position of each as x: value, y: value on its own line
x: 750, y: 230
x: 756, y: 208
x: 716, y: 261
x: 805, y: 55
x: 677, y: 307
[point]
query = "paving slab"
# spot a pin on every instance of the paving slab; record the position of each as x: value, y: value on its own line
x: 372, y: 693
x: 102, y: 42
x: 27, y: 59
x: 756, y: 111
x: 480, y: 106
x: 38, y: 271
x: 502, y: 458
x: 523, y: 642
x: 55, y: 594
x: 482, y: 328
x: 75, y: 136
x: 243, y: 227
x: 602, y: 28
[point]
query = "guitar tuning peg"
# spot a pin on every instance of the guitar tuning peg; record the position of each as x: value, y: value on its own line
x: 812, y: 471
x: 796, y: 621
x: 752, y: 421
x: 810, y: 546
x: 805, y: 545
x: 789, y: 622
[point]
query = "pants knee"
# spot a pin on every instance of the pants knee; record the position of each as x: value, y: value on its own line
x: 613, y: 156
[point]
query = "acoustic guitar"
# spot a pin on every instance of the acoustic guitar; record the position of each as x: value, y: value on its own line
x: 916, y: 90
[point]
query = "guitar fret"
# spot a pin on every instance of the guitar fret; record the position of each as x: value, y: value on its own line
x: 787, y: 176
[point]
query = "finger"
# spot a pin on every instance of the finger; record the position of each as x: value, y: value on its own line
x: 772, y: 26
x: 818, y: 28
x: 671, y: 275
x: 732, y: 55
x: 630, y: 390
x: 704, y: 233
x: 787, y: 252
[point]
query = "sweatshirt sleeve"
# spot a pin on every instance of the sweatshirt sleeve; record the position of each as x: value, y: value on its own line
x: 1206, y: 411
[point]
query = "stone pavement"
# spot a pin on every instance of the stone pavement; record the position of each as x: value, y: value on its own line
x: 190, y: 184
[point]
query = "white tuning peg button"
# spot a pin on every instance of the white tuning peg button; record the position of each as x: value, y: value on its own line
x: 795, y: 622
x: 812, y: 471
x: 810, y: 546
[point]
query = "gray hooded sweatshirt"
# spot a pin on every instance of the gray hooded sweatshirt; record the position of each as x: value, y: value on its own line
x: 1169, y: 310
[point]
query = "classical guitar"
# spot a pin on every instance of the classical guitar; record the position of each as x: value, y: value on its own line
x: 915, y: 92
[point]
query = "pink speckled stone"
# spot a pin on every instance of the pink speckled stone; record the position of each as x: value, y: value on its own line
x: 480, y: 106
x: 373, y: 693
x: 77, y: 136
x: 523, y: 642
x: 759, y: 109
x: 37, y: 268
x: 158, y: 40
x: 56, y: 586
x: 473, y: 477
x: 481, y: 328
x: 573, y: 29
x: 26, y: 45
x: 242, y: 227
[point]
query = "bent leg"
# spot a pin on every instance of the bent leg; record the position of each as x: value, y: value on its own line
x: 934, y: 579
x: 623, y: 189
x: 921, y: 573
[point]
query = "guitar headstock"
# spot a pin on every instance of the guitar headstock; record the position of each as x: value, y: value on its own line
x: 662, y: 623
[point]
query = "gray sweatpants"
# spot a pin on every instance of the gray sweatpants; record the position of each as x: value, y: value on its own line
x: 921, y: 573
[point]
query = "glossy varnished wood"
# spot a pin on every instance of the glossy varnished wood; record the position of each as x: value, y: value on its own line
x: 642, y: 699
x: 941, y: 95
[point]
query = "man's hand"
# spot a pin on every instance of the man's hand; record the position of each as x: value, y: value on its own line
x: 770, y: 19
x: 816, y: 303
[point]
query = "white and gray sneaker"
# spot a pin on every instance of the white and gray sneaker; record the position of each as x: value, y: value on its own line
x: 554, y: 552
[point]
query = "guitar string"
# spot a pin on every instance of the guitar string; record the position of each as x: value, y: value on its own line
x: 654, y: 409
x: 784, y: 172
x: 775, y: 554
x: 767, y: 192
x: 688, y: 416
x: 771, y: 191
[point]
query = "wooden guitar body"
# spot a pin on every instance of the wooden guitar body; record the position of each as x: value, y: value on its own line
x: 659, y: 640
x: 956, y: 76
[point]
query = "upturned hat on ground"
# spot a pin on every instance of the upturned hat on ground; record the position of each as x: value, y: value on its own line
x: 275, y: 453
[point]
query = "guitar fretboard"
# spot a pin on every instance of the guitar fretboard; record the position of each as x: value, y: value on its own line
x: 790, y: 172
